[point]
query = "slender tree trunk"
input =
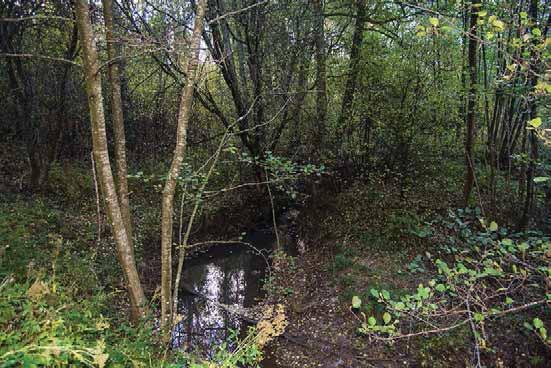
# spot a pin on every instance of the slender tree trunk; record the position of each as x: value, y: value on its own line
x: 353, y: 69
x: 532, y: 107
x: 117, y: 119
x: 321, y: 74
x: 471, y: 106
x: 101, y: 156
x: 177, y: 160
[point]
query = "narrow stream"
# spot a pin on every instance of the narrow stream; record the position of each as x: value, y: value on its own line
x: 227, y: 274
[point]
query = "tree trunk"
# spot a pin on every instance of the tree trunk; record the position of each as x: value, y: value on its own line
x: 353, y: 69
x: 532, y: 108
x: 177, y: 160
x: 117, y: 119
x: 471, y: 106
x: 321, y: 74
x: 101, y: 156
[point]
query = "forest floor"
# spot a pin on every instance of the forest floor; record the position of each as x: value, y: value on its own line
x: 357, y: 235
x: 353, y: 245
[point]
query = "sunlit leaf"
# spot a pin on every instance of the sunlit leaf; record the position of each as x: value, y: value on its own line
x: 535, y: 123
x: 356, y: 302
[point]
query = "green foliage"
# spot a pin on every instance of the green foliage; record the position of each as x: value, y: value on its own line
x: 404, y: 223
x: 245, y: 353
x: 24, y: 236
x: 489, y: 262
x: 72, y: 183
x: 47, y: 324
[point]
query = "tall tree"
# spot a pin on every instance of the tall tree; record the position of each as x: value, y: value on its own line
x: 169, y: 190
x: 321, y: 67
x: 532, y: 111
x: 471, y: 103
x: 101, y: 156
x: 353, y: 66
x: 117, y: 117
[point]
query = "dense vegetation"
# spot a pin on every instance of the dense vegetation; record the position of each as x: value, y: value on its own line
x: 399, y: 152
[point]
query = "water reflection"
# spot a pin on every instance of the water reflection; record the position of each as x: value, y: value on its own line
x: 228, y: 275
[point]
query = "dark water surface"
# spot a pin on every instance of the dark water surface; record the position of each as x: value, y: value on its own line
x: 227, y: 274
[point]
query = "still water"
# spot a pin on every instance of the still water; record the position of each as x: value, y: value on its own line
x: 227, y: 274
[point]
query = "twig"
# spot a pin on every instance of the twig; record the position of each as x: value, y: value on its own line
x: 226, y: 242
x: 198, y: 200
x: 228, y: 14
x: 273, y: 211
x: 51, y: 58
x: 473, y: 329
x: 36, y: 17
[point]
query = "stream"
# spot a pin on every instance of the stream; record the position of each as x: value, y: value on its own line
x: 227, y: 274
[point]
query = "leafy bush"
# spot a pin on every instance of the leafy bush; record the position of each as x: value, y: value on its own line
x: 46, y: 324
x: 483, y: 273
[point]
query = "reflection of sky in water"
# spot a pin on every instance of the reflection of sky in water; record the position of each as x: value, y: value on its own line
x: 228, y: 278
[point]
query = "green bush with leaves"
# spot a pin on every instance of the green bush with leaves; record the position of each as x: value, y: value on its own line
x: 46, y: 324
x: 482, y: 272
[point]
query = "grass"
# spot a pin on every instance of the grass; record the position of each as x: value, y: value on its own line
x: 62, y: 295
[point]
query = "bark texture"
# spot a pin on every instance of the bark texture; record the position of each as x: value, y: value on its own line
x: 353, y: 69
x: 321, y: 73
x: 117, y: 118
x: 169, y: 190
x: 471, y: 105
x: 101, y: 156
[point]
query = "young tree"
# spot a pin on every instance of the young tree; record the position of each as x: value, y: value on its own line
x: 101, y: 156
x: 169, y: 190
x: 117, y: 117
x: 354, y: 66
x: 471, y: 103
x: 321, y: 73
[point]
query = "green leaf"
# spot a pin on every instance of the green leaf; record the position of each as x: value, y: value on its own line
x: 478, y: 317
x: 372, y: 321
x: 535, y: 123
x: 493, y: 226
x: 508, y: 301
x: 386, y: 318
x: 356, y: 302
x: 541, y: 179
x: 523, y: 247
x: 537, y: 323
x: 440, y: 288
x: 498, y: 25
x: 434, y: 21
